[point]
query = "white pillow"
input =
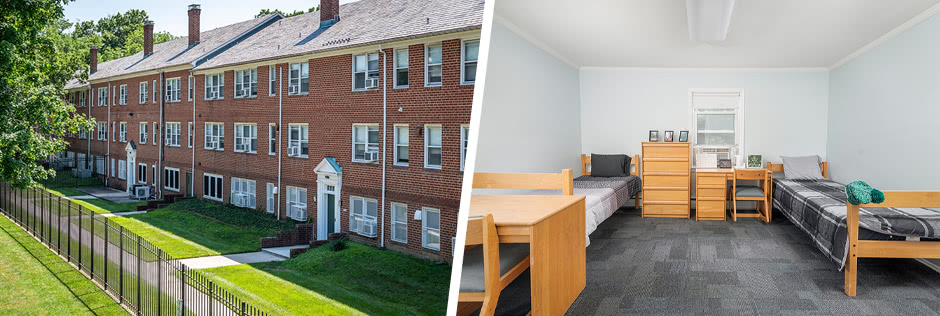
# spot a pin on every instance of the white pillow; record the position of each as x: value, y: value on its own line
x: 802, y: 168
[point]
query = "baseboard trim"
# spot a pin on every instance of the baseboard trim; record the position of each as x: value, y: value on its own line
x: 931, y: 265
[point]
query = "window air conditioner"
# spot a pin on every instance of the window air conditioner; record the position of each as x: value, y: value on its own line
x: 372, y: 156
x: 299, y: 211
x: 368, y: 228
x: 142, y: 192
x: 372, y: 83
x: 293, y: 89
x: 293, y: 151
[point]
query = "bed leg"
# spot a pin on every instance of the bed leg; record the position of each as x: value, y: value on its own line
x: 851, y: 262
x: 851, y: 274
x: 636, y: 202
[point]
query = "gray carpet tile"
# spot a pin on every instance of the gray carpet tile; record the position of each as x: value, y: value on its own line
x: 664, y: 266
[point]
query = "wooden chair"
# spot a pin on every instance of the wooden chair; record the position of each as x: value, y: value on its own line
x: 535, y: 181
x: 488, y: 266
x: 759, y: 193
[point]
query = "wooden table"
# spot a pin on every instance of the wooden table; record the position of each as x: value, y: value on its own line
x: 553, y: 225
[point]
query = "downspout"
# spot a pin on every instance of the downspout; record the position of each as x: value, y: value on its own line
x: 189, y: 134
x: 160, y: 162
x: 280, y: 135
x: 88, y: 134
x: 384, y: 136
x: 107, y: 163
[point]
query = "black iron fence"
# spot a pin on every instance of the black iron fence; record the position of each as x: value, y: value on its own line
x: 137, y: 274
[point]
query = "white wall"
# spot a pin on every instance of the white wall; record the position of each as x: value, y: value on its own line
x: 884, y: 113
x: 530, y: 120
x: 785, y: 112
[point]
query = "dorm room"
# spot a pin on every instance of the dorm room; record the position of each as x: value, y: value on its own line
x: 798, y: 99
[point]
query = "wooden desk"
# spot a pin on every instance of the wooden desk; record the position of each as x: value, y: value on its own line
x: 711, y: 193
x: 553, y: 225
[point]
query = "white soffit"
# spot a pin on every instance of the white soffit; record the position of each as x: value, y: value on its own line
x: 803, y: 35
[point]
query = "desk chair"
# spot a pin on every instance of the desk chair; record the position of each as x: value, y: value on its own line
x: 759, y: 193
x: 488, y: 266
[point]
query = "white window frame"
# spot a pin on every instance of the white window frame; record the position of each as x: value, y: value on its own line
x: 123, y: 99
x: 215, y: 91
x: 241, y: 86
x: 81, y: 102
x: 464, y: 61
x: 141, y: 174
x: 396, y: 68
x: 357, y: 218
x: 272, y: 139
x: 303, y: 73
x: 214, y: 141
x: 142, y: 133
x: 736, y: 110
x: 464, y: 143
x: 173, y: 89
x: 172, y: 132
x: 303, y: 140
x: 102, y: 96
x: 190, y: 138
x: 121, y: 169
x: 366, y: 145
x: 142, y: 93
x: 191, y: 87
x: 397, y: 144
x: 123, y: 130
x: 167, y: 183
x: 213, y: 177
x: 398, y: 208
x: 246, y: 140
x: 367, y: 72
x: 292, y: 192
x: 250, y: 190
x: 270, y: 202
x: 112, y: 167
x: 425, y: 229
x: 156, y: 139
x: 155, y: 91
x: 427, y: 146
x: 113, y: 136
x: 272, y: 80
x: 428, y: 65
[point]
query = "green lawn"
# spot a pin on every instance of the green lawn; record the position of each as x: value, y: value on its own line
x: 196, y: 228
x: 42, y: 283
x: 63, y: 184
x: 65, y: 191
x: 103, y: 207
x: 358, y: 280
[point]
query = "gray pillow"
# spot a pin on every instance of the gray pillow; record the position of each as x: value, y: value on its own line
x: 608, y: 165
x: 802, y: 168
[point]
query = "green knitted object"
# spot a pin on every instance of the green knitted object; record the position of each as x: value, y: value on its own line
x: 859, y: 192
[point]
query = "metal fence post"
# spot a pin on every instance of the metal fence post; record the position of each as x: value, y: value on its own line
x: 159, y: 278
x: 79, y: 238
x: 183, y: 287
x: 107, y: 248
x: 138, y: 275
x: 58, y: 240
x: 243, y: 308
x: 211, y: 296
x: 69, y: 227
x: 122, y: 266
x: 92, y: 214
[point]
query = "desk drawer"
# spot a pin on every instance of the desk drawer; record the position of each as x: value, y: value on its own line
x: 711, y: 192
x: 666, y: 195
x: 711, y: 180
x: 666, y: 210
x: 710, y: 209
x: 666, y: 181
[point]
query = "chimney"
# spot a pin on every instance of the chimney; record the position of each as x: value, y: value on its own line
x: 148, y: 38
x: 194, y: 11
x: 329, y: 11
x: 93, y: 54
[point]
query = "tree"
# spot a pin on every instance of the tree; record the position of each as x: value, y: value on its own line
x: 264, y: 12
x: 36, y: 60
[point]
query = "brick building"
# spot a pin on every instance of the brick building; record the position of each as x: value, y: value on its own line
x: 353, y: 118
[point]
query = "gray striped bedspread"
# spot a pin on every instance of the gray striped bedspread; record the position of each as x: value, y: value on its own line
x: 624, y: 187
x: 818, y: 208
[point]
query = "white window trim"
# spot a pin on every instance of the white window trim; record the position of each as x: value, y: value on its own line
x: 424, y: 227
x: 139, y: 174
x: 366, y: 72
x: 367, y: 143
x: 272, y: 80
x: 427, y: 146
x: 463, y: 61
x: 155, y: 140
x: 102, y: 96
x: 395, y: 68
x: 303, y: 203
x: 142, y: 92
x: 464, y: 133
x: 403, y: 207
x: 156, y: 91
x: 170, y: 141
x: 395, y: 144
x: 365, y: 214
x: 123, y: 132
x: 121, y: 169
x: 190, y: 137
x: 178, y: 90
x: 191, y: 87
x: 220, y: 144
x: 123, y: 95
x: 270, y: 199
x: 427, y: 66
x: 113, y: 128
x: 220, y: 177
x: 142, y: 133
x: 253, y: 195
x: 221, y: 87
x: 300, y: 77
x: 235, y: 84
x: 299, y: 141
x: 248, y: 139
x: 166, y: 183
x: 739, y: 113
x: 272, y: 137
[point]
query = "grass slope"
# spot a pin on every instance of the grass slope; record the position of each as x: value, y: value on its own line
x: 196, y: 228
x: 34, y: 281
x: 104, y: 207
x: 358, y: 280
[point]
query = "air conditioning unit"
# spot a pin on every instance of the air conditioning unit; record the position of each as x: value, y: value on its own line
x: 293, y: 151
x: 293, y: 89
x: 368, y: 228
x: 298, y: 211
x: 142, y: 192
x: 240, y: 199
x: 372, y: 156
x: 372, y: 83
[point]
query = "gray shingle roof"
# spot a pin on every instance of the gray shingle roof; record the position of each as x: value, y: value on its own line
x: 361, y: 23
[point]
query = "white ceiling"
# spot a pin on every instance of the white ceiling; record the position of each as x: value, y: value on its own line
x: 654, y: 33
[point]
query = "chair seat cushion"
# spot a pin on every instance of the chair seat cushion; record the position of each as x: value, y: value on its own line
x: 748, y: 191
x: 471, y: 279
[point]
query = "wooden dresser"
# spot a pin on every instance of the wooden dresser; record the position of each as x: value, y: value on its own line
x: 666, y: 179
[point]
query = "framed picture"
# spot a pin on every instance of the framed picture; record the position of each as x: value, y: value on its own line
x: 724, y: 163
x: 654, y: 136
x: 668, y: 136
x: 755, y: 161
x: 684, y: 136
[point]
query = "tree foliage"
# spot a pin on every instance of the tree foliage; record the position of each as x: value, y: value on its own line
x: 264, y: 12
x: 117, y: 35
x: 36, y: 60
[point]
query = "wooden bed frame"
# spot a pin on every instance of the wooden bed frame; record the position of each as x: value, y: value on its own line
x: 634, y: 171
x: 535, y: 181
x: 882, y: 248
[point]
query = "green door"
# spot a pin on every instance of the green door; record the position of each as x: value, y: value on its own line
x: 330, y: 213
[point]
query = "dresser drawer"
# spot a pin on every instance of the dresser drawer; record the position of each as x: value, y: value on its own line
x: 710, y: 209
x: 669, y: 166
x: 666, y: 181
x: 666, y: 152
x: 666, y: 195
x: 710, y: 192
x: 666, y: 210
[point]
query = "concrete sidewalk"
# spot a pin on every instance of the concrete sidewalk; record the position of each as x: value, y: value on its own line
x: 230, y: 260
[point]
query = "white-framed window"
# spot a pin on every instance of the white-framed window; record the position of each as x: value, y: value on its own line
x: 142, y: 93
x: 191, y: 87
x: 155, y: 90
x: 272, y: 80
x: 431, y: 228
x: 112, y: 167
x: 215, y: 87
x: 189, y: 135
x: 212, y: 186
x: 215, y: 136
x: 123, y: 135
x: 243, y: 193
x: 246, y: 83
x: 82, y: 101
x: 433, y: 68
x: 172, y: 131
x: 401, y: 68
x: 82, y: 134
x: 717, y: 125
x: 464, y: 142
x: 246, y: 138
x: 297, y: 203
x: 142, y: 138
x: 102, y: 131
x: 102, y: 96
x: 114, y: 95
x: 113, y: 137
x: 400, y: 222
x: 123, y: 99
x: 401, y: 145
x: 298, y: 79
x: 365, y: 71
x: 155, y: 176
x: 362, y: 215
x: 72, y: 97
x: 173, y: 90
x: 142, y: 173
x: 432, y: 146
x: 469, y: 53
x: 155, y: 139
x: 121, y: 169
x: 270, y: 202
x: 272, y: 139
x: 365, y: 142
x: 297, y: 143
x: 171, y: 178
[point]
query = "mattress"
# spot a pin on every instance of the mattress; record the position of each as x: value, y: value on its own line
x: 818, y: 208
